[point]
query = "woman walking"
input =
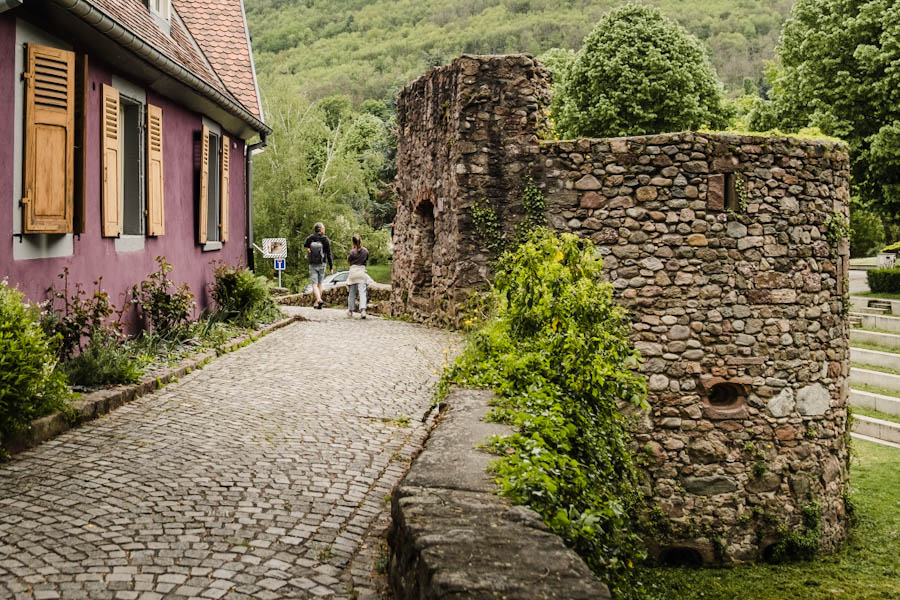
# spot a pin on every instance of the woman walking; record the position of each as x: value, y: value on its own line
x: 358, y: 278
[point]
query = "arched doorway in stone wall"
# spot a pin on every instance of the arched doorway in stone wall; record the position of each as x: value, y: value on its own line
x: 422, y: 238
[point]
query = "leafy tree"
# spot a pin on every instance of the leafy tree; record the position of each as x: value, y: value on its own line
x: 638, y: 73
x: 838, y: 71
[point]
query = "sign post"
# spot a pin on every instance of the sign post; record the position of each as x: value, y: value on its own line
x: 276, y: 248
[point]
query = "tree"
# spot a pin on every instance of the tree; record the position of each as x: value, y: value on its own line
x: 639, y: 73
x: 838, y: 72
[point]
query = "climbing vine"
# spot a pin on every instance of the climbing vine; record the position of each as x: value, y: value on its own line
x: 837, y: 228
x: 487, y: 222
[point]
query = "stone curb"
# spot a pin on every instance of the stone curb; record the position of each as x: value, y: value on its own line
x: 879, y: 379
x: 93, y: 405
x: 877, y: 428
x: 452, y: 536
x: 879, y: 402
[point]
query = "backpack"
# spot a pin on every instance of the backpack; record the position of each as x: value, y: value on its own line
x: 316, y: 253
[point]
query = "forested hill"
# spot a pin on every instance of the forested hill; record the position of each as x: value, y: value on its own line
x: 371, y: 48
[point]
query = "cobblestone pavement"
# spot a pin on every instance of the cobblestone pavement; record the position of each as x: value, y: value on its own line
x: 263, y: 475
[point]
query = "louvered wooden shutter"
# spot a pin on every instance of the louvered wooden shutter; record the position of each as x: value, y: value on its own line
x: 204, y: 184
x: 223, y: 205
x: 49, y: 140
x: 81, y: 100
x: 156, y: 216
x: 111, y: 133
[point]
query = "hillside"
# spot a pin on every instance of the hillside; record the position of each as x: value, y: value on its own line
x: 371, y: 48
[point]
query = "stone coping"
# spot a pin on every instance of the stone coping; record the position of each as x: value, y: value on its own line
x: 94, y: 404
x: 452, y: 536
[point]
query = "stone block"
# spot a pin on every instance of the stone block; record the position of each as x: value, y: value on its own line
x: 588, y: 183
x: 591, y: 200
x: 813, y: 400
x: 715, y: 193
x: 783, y: 404
x: 709, y: 486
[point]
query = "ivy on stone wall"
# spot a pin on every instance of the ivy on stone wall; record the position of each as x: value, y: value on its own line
x: 487, y: 221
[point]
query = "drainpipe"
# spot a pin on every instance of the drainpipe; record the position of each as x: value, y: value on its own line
x: 248, y: 195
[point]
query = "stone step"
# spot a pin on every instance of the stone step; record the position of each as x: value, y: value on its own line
x: 871, y: 311
x: 874, y: 358
x: 870, y: 321
x: 885, y: 304
x: 877, y: 379
x: 877, y: 428
x: 886, y: 404
x: 888, y: 340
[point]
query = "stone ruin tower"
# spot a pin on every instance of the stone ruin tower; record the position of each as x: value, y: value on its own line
x: 727, y: 251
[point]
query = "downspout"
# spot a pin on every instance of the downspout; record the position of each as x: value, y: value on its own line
x: 91, y: 15
x: 248, y: 195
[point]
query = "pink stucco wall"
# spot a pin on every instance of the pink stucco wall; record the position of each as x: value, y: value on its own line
x: 95, y: 255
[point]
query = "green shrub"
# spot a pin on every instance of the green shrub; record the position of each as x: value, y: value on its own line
x: 103, y: 361
x: 895, y: 247
x: 866, y: 232
x: 30, y: 386
x: 165, y: 308
x: 78, y: 317
x: 556, y: 353
x: 884, y: 281
x: 243, y: 297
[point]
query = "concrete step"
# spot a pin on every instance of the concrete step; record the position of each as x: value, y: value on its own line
x: 886, y: 404
x: 869, y: 310
x: 858, y: 303
x: 877, y: 428
x: 885, y: 360
x: 885, y: 381
x: 870, y: 321
x: 888, y: 340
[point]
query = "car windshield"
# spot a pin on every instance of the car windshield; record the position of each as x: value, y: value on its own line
x: 339, y: 277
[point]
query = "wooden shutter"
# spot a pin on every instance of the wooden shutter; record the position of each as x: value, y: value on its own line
x: 156, y: 216
x: 111, y: 133
x: 81, y: 101
x: 49, y: 140
x: 204, y: 184
x: 223, y: 188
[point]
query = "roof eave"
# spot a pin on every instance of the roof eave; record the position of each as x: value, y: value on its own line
x: 177, y: 78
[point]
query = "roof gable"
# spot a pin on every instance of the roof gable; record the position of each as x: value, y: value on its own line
x: 220, y: 28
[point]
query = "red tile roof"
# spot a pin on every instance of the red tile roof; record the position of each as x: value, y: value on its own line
x: 206, y: 37
x: 220, y: 27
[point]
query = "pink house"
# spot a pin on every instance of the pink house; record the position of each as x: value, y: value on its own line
x: 126, y: 129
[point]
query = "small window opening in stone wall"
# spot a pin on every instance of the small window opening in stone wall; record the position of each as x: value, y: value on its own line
x: 726, y: 395
x: 680, y: 556
x: 732, y: 202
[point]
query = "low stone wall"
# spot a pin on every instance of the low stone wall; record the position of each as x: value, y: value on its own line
x: 453, y: 537
x: 337, y: 297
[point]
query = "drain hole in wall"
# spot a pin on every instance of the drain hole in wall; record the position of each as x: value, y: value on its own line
x: 680, y: 556
x: 726, y: 395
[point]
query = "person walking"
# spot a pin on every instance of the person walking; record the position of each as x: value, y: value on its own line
x: 318, y: 252
x: 357, y: 278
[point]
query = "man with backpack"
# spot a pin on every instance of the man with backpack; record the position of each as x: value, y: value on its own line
x: 318, y: 251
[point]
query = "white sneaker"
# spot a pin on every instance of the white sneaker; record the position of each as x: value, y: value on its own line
x: 363, y: 313
x: 350, y: 314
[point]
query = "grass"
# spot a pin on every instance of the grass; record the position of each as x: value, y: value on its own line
x: 874, y: 368
x: 876, y: 414
x: 866, y: 567
x: 874, y: 389
x: 884, y: 296
x: 876, y: 347
x: 876, y: 330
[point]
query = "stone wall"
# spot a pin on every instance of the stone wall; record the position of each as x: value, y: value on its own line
x: 719, y: 246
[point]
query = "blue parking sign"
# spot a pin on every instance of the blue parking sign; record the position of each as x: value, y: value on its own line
x: 279, y: 264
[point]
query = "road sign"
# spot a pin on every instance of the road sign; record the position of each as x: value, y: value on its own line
x: 274, y: 248
x: 279, y: 264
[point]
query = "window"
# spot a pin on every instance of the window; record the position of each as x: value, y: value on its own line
x: 132, y: 184
x: 215, y: 158
x: 160, y: 8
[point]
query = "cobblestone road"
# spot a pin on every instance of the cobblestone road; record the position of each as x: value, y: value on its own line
x: 264, y: 475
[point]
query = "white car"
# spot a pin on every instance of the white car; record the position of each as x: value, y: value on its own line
x: 334, y: 280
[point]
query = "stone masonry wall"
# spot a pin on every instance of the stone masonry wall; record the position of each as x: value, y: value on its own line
x: 719, y: 246
x: 467, y: 132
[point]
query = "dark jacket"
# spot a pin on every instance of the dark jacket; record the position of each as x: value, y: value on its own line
x: 318, y: 238
x: 358, y: 257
